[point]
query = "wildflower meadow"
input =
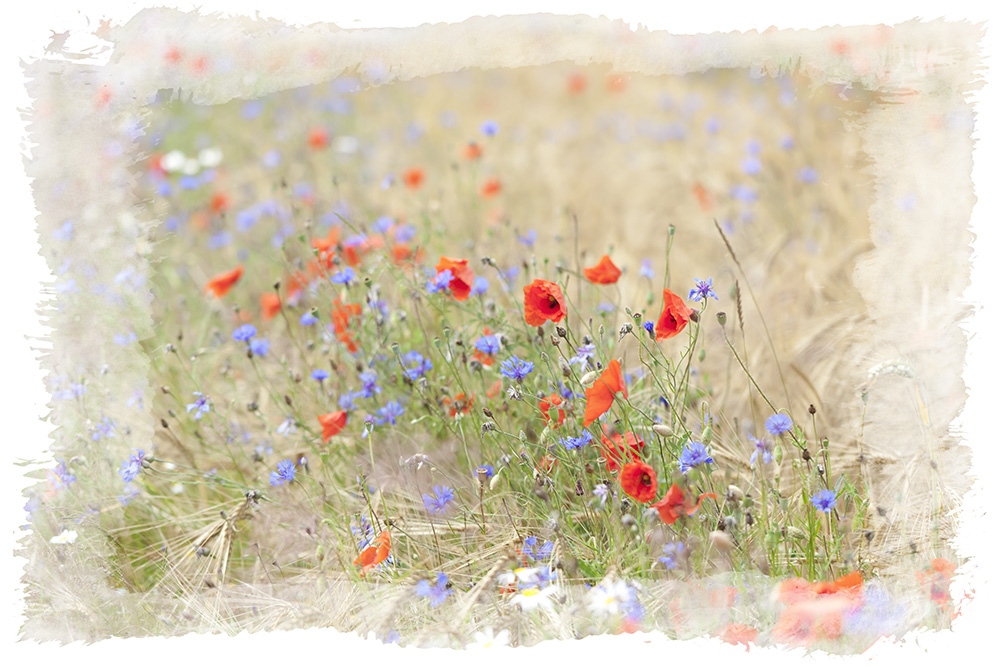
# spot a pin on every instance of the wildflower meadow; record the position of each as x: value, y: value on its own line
x: 486, y: 357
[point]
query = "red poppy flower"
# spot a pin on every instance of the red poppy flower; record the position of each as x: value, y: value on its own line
x: 461, y: 276
x: 615, y: 447
x: 548, y: 463
x: 674, y: 317
x: 491, y: 187
x: 577, y: 82
x: 601, y: 395
x: 341, y: 318
x: 673, y: 505
x: 472, y: 151
x: 459, y: 404
x: 938, y: 577
x: 173, y: 55
x: 638, y: 480
x: 220, y: 284
x: 543, y: 300
x: 413, y: 177
x: 319, y: 137
x: 332, y: 423
x: 494, y: 390
x: 554, y: 400
x: 270, y: 305
x: 603, y: 273
x: 615, y: 83
x: 373, y: 555
x: 737, y: 633
x: 701, y: 194
x: 295, y: 285
x: 220, y: 202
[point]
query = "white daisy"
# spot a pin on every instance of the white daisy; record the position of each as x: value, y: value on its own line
x: 532, y: 598
x: 486, y: 639
x: 65, y: 537
x: 608, y: 597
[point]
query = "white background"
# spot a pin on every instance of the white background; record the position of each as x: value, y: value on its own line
x: 26, y: 32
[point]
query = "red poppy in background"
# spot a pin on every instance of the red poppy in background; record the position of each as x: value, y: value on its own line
x: 459, y: 404
x: 341, y: 317
x: 220, y: 202
x: 737, y: 633
x: 615, y: 447
x: 270, y: 305
x: 332, y: 423
x: 319, y: 137
x: 413, y: 177
x: 373, y: 555
x: 461, y: 276
x: 638, y: 480
x: 615, y: 83
x: 701, y: 194
x: 673, y: 505
x: 603, y: 273
x: 482, y: 357
x: 295, y: 285
x: 577, y: 82
x: 601, y: 395
x: 545, y: 404
x: 472, y: 151
x: 543, y: 300
x: 223, y: 282
x: 674, y: 317
x: 491, y: 187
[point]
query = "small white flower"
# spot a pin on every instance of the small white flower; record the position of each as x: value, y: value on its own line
x: 607, y: 598
x: 210, y: 157
x: 532, y: 598
x: 65, y: 537
x: 190, y: 167
x: 176, y: 488
x: 172, y: 161
x: 346, y: 144
x: 486, y: 639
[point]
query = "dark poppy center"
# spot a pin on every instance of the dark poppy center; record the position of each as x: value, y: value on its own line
x: 645, y: 480
x: 553, y: 304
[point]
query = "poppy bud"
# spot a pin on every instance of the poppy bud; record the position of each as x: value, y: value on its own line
x: 288, y: 400
x: 165, y: 389
x: 494, y: 482
x: 729, y: 522
x: 628, y: 521
x: 163, y: 423
x: 252, y: 406
x: 588, y: 378
x: 589, y: 469
x: 812, y: 409
x: 488, y: 412
x: 541, y: 332
x: 795, y: 532
x: 806, y: 456
x: 561, y: 332
x: 721, y: 541
x: 694, y: 316
x: 671, y: 229
x: 662, y: 429
x: 706, y: 435
x: 749, y: 519
x: 734, y: 494
x: 567, y: 372
x: 721, y: 317
x: 555, y: 340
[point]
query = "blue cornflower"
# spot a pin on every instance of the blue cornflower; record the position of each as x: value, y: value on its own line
x: 712, y: 125
x: 438, y: 503
x: 602, y: 491
x: 582, y: 356
x: 488, y: 344
x: 416, y: 365
x: 60, y: 476
x: 130, y: 468
x: 271, y: 159
x: 750, y: 166
x: 672, y: 552
x: 787, y: 142
x: 260, y: 346
x: 129, y: 492
x: 606, y: 307
x: 285, y: 473
x: 437, y: 593
x: 576, y: 443
x: 487, y: 467
x: 702, y: 290
x: 308, y: 319
x: 441, y: 282
x: 753, y: 147
x: 368, y: 386
x: 762, y: 448
x: 824, y: 501
x: 104, y: 429
x: 244, y: 332
x: 693, y: 455
x: 201, y: 406
x: 382, y: 225
x: 344, y: 277
x: 515, y: 369
x: 348, y: 401
x: 743, y: 193
x: 778, y: 424
x: 287, y: 427
x: 648, y: 326
x: 529, y: 238
x: 480, y: 285
x: 404, y: 233
x: 490, y: 128
x: 646, y: 269
x: 319, y: 374
x: 543, y: 551
x: 389, y: 413
x: 807, y: 175
x: 363, y: 529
